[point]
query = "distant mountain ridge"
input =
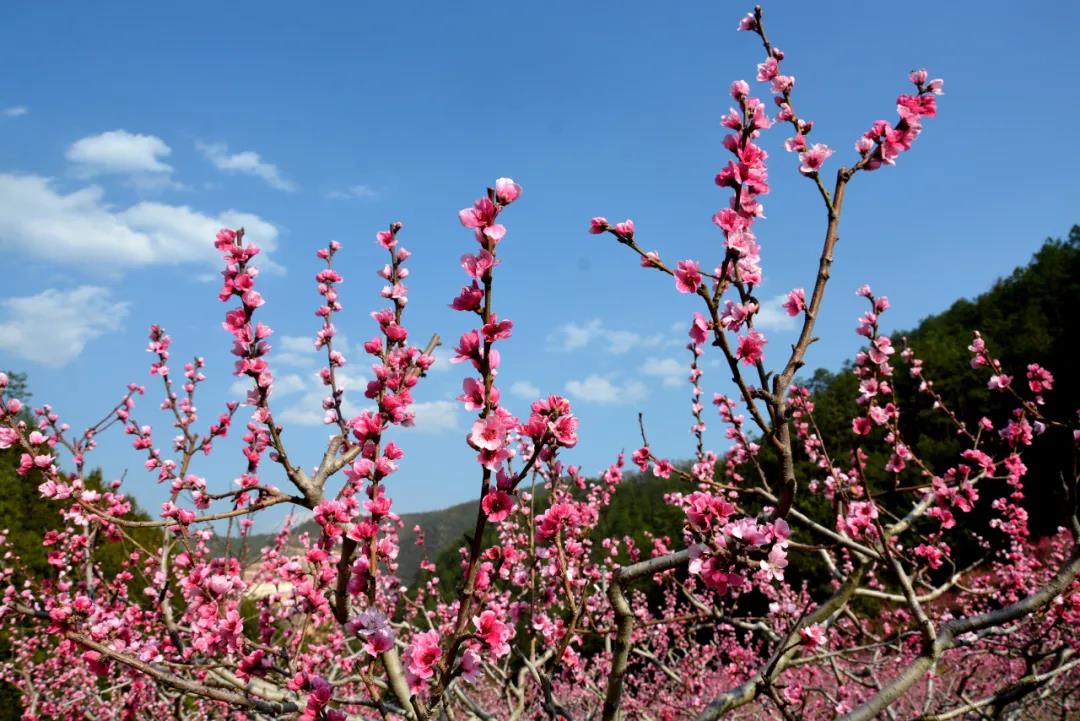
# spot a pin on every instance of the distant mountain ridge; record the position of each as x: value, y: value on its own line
x: 441, y: 528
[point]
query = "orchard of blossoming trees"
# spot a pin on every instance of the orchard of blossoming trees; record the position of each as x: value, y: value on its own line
x: 547, y: 622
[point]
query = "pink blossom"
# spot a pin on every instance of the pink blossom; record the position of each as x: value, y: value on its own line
x: 564, y: 430
x: 488, y: 434
x: 8, y: 437
x: 479, y: 266
x: 1039, y: 379
x: 687, y: 276
x: 374, y: 627
x: 497, y: 505
x: 470, y: 666
x: 495, y: 329
x: 768, y: 70
x: 774, y: 565
x: 796, y: 302
x: 813, y: 158
x: 493, y: 632
x: 796, y: 144
x: 625, y: 228
x: 473, y: 396
x: 751, y: 347
x: 386, y: 239
x: 640, y: 458
x: 598, y: 225
x: 736, y: 314
x: 422, y: 655
x: 507, y: 191
x: 813, y: 635
x: 651, y: 259
x: 699, y: 328
x: 468, y: 348
x: 480, y: 215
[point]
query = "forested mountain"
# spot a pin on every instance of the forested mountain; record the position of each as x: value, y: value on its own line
x: 1028, y: 317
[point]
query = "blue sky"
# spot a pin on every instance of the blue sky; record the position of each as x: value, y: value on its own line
x: 130, y: 131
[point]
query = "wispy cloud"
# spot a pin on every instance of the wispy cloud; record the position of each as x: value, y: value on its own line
x: 81, y: 228
x: 435, y: 417
x: 294, y: 350
x: 307, y: 392
x: 525, y: 389
x: 308, y: 410
x: 54, y: 326
x: 669, y: 371
x: 604, y: 390
x: 575, y: 336
x: 15, y: 111
x: 246, y: 162
x: 354, y: 192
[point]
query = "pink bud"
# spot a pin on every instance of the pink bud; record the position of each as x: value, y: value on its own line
x: 506, y: 190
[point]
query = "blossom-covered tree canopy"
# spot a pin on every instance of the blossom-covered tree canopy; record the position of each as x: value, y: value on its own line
x: 548, y: 620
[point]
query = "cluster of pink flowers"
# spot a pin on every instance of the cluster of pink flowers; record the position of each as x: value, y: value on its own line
x: 397, y: 369
x: 423, y: 656
x: 883, y: 143
x: 811, y: 157
x: 491, y: 433
x: 249, y: 340
x: 748, y: 178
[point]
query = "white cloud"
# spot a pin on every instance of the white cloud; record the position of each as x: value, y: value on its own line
x: 671, y: 372
x: 525, y: 389
x: 435, y: 416
x: 118, y: 151
x: 353, y: 192
x: 574, y: 336
x: 308, y: 410
x: 297, y: 344
x: 302, y: 414
x: 54, y: 326
x: 772, y: 315
x: 15, y: 111
x: 247, y: 162
x: 294, y: 350
x: 601, y: 389
x: 307, y: 392
x: 81, y: 228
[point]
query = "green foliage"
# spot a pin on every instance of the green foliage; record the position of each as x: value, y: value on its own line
x: 1028, y: 317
